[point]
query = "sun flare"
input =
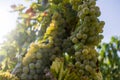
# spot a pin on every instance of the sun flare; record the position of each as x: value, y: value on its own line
x: 7, y: 23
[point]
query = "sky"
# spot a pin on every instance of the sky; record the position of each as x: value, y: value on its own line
x: 8, y: 19
x: 110, y: 13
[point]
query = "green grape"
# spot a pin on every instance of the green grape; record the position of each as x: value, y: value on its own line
x: 56, y: 1
x: 95, y: 59
x: 31, y: 66
x: 84, y: 36
x: 85, y: 29
x: 92, y: 2
x: 78, y: 46
x: 88, y: 57
x: 86, y: 62
x: 77, y: 64
x: 81, y: 15
x: 77, y: 54
x: 24, y: 76
x: 84, y: 5
x: 80, y: 7
x: 38, y: 55
x: 38, y: 71
x: 32, y: 72
x: 83, y: 41
x: 18, y: 70
x: 91, y: 39
x: 85, y: 51
x: 97, y: 8
x: 85, y: 78
x: 98, y: 13
x: 57, y: 49
x: 93, y: 18
x: 38, y: 61
x: 92, y: 11
x: 74, y: 7
x: 101, y: 24
x: 85, y: 10
x: 75, y: 40
x: 92, y: 64
x: 88, y: 68
x: 81, y: 72
x: 99, y: 30
x: 37, y: 65
x: 87, y: 20
x: 79, y: 35
x: 25, y: 70
x: 82, y: 66
x: 96, y: 24
x: 100, y: 37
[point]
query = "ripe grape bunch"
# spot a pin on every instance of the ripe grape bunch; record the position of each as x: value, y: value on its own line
x: 72, y: 27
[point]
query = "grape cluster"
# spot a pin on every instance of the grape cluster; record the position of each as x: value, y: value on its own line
x: 85, y: 37
x: 40, y: 54
x: 74, y: 28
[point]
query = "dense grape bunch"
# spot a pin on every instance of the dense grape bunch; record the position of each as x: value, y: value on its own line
x: 42, y: 53
x: 72, y: 27
x: 85, y: 37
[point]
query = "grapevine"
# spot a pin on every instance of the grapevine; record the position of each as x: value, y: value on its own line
x: 70, y: 30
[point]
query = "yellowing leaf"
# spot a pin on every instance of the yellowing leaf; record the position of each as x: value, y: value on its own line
x: 24, y: 16
x: 60, y: 72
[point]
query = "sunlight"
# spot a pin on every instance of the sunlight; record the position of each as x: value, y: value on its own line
x: 7, y: 19
x: 7, y: 22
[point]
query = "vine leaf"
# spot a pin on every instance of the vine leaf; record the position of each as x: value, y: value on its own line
x: 61, y: 72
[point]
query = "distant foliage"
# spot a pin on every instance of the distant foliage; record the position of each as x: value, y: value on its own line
x: 109, y: 59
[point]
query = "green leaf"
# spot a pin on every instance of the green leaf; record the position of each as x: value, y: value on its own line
x: 61, y: 72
